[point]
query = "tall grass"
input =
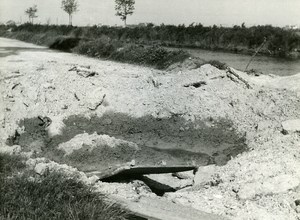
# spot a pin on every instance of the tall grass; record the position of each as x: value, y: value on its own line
x: 25, y: 196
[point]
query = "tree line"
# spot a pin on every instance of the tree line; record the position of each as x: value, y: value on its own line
x: 123, y: 8
x: 239, y: 39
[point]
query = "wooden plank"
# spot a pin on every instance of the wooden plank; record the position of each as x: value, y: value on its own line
x: 128, y: 171
x: 159, y: 208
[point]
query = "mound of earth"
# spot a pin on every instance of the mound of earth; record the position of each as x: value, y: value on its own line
x: 128, y: 114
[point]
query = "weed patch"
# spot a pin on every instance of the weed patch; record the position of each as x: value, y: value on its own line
x: 53, y: 196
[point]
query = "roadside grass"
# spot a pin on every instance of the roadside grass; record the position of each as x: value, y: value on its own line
x: 100, y: 46
x: 24, y: 195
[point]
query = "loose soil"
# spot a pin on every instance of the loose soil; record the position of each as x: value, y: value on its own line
x: 152, y: 118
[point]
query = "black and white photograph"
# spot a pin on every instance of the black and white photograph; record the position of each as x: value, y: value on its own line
x: 150, y: 109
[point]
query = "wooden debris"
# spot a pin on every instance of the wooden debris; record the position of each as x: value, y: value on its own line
x: 45, y: 121
x: 125, y: 171
x: 14, y: 86
x: 83, y: 71
x: 10, y: 77
x: 76, y: 97
x: 196, y: 84
x: 72, y: 69
x: 234, y: 73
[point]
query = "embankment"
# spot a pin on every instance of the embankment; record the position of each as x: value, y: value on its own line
x: 238, y: 39
x: 239, y: 130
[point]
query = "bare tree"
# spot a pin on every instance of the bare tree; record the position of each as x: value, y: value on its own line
x: 31, y: 13
x: 124, y: 8
x: 69, y: 6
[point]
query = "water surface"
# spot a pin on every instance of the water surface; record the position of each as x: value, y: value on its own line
x: 266, y: 65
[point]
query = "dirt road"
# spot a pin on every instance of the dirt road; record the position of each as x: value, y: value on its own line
x: 94, y: 115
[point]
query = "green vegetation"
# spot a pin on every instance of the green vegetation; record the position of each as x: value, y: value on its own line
x: 280, y: 43
x: 31, y: 13
x: 85, y: 41
x: 53, y: 196
x: 124, y: 8
x: 70, y: 7
x: 154, y: 56
x: 146, y: 44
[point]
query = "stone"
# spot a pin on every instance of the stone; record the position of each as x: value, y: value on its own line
x: 169, y: 181
x: 205, y: 175
x: 269, y: 186
x: 41, y: 168
x: 291, y: 126
x: 95, y: 98
x: 56, y: 127
x: 10, y: 149
x: 185, y: 175
x: 264, y: 125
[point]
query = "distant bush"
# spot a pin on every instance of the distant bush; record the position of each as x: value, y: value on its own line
x: 154, y: 56
x: 64, y: 43
x: 100, y: 48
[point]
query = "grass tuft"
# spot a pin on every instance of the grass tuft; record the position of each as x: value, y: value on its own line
x: 53, y: 196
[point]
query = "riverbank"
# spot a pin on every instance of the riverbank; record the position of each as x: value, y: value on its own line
x: 274, y: 41
x: 96, y: 114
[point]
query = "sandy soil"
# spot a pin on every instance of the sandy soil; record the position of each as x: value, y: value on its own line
x: 130, y: 114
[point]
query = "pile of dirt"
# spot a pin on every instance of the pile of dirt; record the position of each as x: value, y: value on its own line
x: 152, y: 117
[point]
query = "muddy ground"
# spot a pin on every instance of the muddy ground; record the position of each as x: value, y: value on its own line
x: 52, y: 107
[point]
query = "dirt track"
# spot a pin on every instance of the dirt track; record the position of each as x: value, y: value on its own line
x: 153, y: 117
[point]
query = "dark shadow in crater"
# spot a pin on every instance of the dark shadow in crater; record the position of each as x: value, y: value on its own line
x: 172, y: 140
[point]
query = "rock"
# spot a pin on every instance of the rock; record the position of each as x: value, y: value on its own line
x: 185, y: 175
x: 95, y: 98
x: 170, y: 181
x: 56, y: 127
x: 273, y: 185
x: 83, y: 71
x: 205, y: 175
x: 41, y: 168
x: 154, y: 81
x: 93, y: 179
x: 264, y: 125
x: 291, y: 126
x: 10, y: 149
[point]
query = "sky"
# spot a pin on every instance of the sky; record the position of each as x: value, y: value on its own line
x: 207, y: 12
